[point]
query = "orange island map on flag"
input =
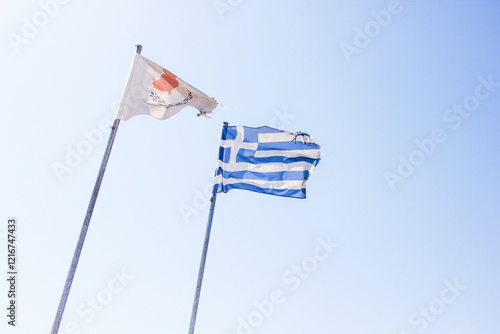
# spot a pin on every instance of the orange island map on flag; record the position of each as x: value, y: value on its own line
x: 152, y: 90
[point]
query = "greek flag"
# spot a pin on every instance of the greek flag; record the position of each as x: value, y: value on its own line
x: 265, y: 160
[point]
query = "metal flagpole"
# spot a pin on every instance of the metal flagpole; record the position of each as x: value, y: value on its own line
x: 203, y: 260
x: 202, y: 264
x: 86, y: 223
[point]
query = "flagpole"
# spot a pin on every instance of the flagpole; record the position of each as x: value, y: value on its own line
x: 203, y: 260
x: 86, y: 223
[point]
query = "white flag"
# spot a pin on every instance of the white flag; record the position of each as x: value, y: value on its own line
x: 152, y: 90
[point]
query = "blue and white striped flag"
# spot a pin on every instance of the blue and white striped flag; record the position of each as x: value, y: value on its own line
x: 265, y: 160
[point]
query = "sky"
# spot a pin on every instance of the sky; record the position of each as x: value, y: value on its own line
x: 398, y: 234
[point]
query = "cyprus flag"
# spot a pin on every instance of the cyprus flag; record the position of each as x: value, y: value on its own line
x: 152, y: 90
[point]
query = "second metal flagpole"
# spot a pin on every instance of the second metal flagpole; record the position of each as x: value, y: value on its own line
x: 203, y: 260
x: 202, y: 264
x: 85, y: 226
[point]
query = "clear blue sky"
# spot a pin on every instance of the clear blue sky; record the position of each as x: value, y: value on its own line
x: 399, y: 233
